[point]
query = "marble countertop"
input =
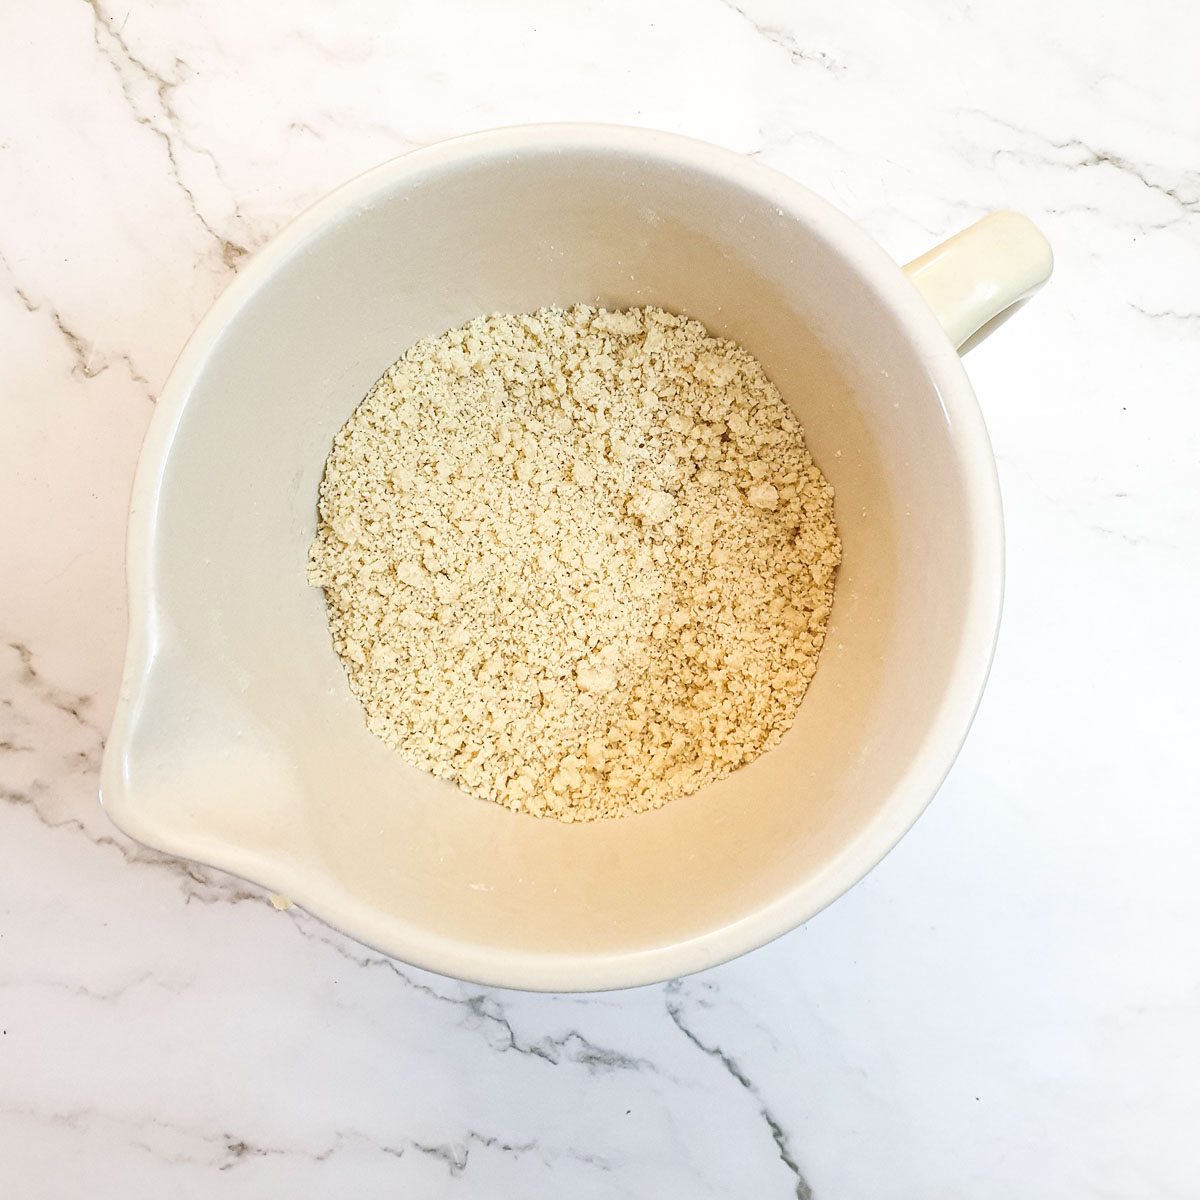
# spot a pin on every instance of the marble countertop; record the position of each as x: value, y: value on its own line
x: 1008, y: 1006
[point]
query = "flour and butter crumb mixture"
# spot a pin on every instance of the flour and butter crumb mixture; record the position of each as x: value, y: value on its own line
x: 579, y: 562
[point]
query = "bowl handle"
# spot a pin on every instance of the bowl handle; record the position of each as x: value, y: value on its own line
x: 973, y: 280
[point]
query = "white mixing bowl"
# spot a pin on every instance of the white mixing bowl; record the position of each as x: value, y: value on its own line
x: 237, y: 741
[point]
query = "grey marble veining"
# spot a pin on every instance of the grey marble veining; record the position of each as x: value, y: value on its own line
x: 1008, y: 1006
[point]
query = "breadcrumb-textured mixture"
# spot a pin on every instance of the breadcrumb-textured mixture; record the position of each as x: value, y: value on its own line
x: 580, y: 562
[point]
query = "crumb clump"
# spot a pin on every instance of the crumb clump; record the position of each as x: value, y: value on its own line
x: 580, y: 562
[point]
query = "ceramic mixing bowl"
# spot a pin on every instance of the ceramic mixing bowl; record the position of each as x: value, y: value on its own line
x: 237, y: 741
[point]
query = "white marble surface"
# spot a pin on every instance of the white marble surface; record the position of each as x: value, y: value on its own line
x: 1009, y: 1006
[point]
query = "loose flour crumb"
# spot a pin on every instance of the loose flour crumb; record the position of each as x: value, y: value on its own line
x: 579, y: 561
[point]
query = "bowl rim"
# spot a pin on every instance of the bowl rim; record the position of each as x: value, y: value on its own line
x: 309, y: 885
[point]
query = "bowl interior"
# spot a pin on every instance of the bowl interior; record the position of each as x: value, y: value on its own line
x: 243, y: 745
